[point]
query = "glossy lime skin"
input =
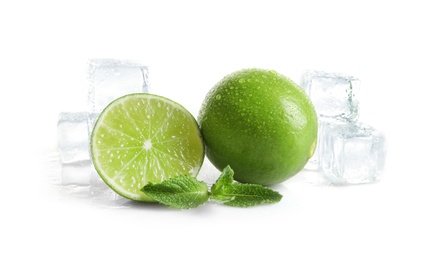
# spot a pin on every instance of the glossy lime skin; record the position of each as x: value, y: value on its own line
x: 260, y: 123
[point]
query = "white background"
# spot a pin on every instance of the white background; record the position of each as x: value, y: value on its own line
x: 190, y: 45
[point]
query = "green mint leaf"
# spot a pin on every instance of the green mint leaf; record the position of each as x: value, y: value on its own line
x: 225, y: 179
x: 228, y: 192
x: 248, y: 195
x: 181, y: 192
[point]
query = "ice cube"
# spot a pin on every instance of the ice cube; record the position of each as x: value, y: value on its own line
x: 73, y: 137
x: 77, y: 173
x: 91, y: 121
x: 74, y: 133
x: 314, y: 163
x: 335, y: 96
x: 110, y: 79
x: 352, y: 153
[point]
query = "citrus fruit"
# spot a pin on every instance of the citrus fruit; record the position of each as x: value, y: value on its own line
x: 141, y: 138
x: 260, y: 123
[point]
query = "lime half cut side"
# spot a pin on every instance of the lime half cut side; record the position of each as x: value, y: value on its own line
x: 141, y: 138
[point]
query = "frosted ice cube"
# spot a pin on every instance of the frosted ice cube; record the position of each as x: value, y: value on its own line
x: 91, y: 121
x: 314, y: 163
x: 333, y: 95
x: 110, y: 79
x: 352, y: 153
x: 73, y: 137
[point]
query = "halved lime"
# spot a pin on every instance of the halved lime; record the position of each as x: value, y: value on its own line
x: 141, y: 138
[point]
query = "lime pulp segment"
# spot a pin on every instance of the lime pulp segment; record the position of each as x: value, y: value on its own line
x: 142, y: 138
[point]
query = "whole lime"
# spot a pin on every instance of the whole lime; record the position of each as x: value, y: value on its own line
x: 260, y: 123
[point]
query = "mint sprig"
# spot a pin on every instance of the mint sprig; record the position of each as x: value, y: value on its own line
x: 184, y: 192
x: 246, y: 195
x: 228, y: 192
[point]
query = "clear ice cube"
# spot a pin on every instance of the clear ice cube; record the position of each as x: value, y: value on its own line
x: 73, y: 137
x: 74, y: 133
x: 110, y: 79
x: 76, y: 173
x: 81, y: 173
x: 352, y: 153
x: 335, y: 96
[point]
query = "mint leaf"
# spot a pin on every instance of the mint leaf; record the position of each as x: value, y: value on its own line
x: 228, y: 192
x: 247, y: 195
x: 181, y: 192
x: 225, y: 179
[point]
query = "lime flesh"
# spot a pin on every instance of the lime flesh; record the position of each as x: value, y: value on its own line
x: 142, y: 138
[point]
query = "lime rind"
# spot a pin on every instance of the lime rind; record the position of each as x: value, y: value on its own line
x: 141, y: 138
